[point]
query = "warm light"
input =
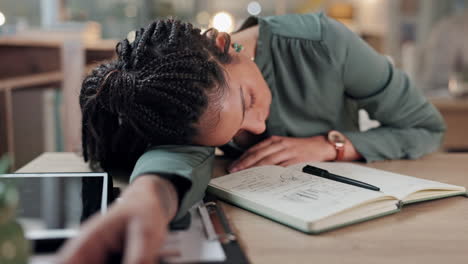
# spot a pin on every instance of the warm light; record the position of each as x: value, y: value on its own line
x: 223, y: 22
x: 254, y: 8
x: 2, y: 19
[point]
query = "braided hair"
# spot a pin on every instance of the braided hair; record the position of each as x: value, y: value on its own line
x: 153, y: 93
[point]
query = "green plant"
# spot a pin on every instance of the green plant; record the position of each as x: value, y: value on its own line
x: 5, y: 162
x: 14, y: 248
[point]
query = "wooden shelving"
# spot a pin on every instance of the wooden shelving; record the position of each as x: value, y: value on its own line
x: 32, y: 64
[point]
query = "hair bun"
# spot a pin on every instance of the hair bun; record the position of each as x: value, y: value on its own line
x: 117, y: 91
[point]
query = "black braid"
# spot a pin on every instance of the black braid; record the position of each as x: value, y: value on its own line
x: 152, y: 94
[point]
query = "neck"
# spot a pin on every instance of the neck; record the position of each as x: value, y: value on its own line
x: 247, y: 38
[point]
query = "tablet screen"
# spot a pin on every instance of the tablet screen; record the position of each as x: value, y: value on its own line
x: 54, y: 204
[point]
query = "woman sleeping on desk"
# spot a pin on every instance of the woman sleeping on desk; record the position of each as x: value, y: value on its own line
x: 282, y: 90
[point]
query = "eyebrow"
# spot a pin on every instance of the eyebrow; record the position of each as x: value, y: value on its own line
x: 243, y: 102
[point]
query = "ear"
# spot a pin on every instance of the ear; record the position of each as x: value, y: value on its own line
x: 221, y: 40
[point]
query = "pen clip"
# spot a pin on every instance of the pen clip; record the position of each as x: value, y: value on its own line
x: 210, y: 232
x: 220, y: 224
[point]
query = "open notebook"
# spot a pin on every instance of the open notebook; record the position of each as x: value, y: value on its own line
x: 314, y: 204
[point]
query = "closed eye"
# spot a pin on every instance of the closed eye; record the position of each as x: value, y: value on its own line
x: 242, y: 103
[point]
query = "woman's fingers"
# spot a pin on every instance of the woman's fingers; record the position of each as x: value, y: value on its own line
x: 135, y: 241
x: 136, y: 226
x: 274, y: 158
x: 142, y: 242
x: 139, y: 236
x: 289, y: 162
x: 264, y: 143
x: 97, y: 238
x: 251, y: 157
x: 256, y: 147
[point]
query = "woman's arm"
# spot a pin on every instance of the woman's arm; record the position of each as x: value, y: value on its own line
x: 138, y: 223
x: 285, y: 151
x: 188, y: 167
x: 410, y: 125
x: 135, y: 225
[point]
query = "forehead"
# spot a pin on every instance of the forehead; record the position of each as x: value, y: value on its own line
x: 222, y: 118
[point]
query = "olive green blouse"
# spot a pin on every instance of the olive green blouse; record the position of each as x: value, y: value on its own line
x: 320, y: 74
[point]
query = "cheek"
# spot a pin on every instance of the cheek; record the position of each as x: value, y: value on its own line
x: 228, y: 125
x: 264, y: 97
x: 216, y: 136
x: 263, y: 92
x: 224, y: 136
x: 219, y: 130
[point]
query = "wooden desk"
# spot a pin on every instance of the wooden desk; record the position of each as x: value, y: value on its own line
x: 455, y: 113
x: 431, y: 232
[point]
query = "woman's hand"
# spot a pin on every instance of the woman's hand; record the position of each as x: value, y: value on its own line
x: 135, y: 225
x: 285, y: 151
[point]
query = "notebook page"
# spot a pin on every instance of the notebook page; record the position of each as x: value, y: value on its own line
x: 390, y: 183
x: 294, y: 193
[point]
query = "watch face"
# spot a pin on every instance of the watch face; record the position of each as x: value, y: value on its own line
x: 336, y: 138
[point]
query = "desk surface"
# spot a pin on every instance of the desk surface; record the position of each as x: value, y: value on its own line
x: 430, y: 232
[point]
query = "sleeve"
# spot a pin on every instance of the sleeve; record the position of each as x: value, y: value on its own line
x: 410, y: 125
x: 189, y: 168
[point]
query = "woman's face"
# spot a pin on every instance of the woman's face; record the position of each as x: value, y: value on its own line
x: 244, y: 105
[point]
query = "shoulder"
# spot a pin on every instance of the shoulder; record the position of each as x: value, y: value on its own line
x: 310, y: 26
x: 193, y: 155
x: 333, y: 37
x: 183, y: 160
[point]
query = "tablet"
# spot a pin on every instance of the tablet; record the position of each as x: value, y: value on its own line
x: 52, y: 205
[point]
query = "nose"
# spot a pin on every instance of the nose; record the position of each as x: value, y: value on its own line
x: 255, y: 125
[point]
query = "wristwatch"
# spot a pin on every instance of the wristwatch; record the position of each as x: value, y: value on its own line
x: 338, y: 141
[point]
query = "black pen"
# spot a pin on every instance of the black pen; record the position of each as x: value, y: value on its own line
x: 325, y: 174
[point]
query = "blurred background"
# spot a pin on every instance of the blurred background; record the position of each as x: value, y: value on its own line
x: 47, y: 46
